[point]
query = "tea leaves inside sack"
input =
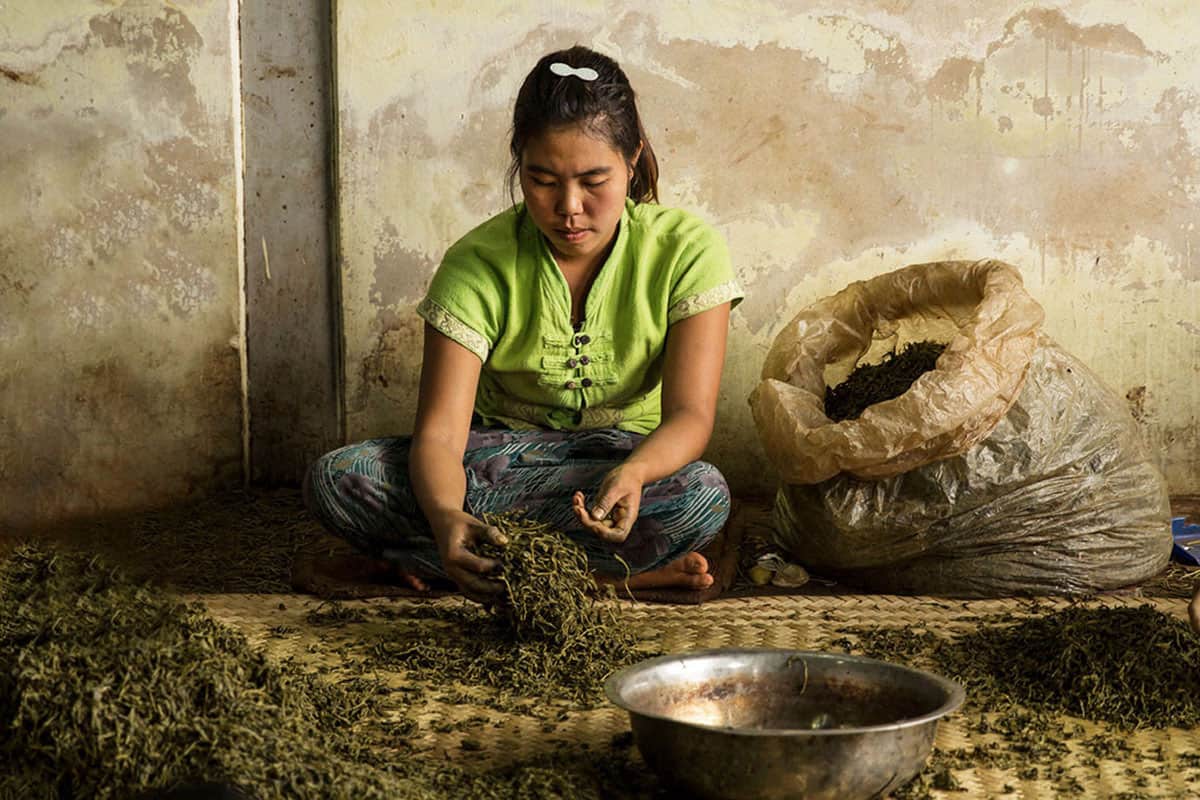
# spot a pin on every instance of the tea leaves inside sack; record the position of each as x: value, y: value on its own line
x: 869, y: 384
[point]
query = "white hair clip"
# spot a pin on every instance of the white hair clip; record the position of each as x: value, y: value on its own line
x: 583, y: 73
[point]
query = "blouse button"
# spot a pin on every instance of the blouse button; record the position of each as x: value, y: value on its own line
x: 583, y: 360
x: 572, y: 363
x: 584, y: 339
x: 569, y: 384
x: 587, y: 382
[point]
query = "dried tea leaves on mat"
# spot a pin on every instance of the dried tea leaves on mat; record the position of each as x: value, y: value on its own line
x: 109, y: 688
x: 1133, y: 668
x: 114, y: 689
x: 869, y: 384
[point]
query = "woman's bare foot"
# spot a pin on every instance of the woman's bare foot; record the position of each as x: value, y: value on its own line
x: 687, y: 572
x: 408, y: 579
x: 412, y: 581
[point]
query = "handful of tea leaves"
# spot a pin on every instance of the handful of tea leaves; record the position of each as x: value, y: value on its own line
x: 550, y: 594
x: 869, y: 384
x: 548, y: 638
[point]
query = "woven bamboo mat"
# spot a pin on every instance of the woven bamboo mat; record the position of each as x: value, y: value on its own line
x: 454, y: 722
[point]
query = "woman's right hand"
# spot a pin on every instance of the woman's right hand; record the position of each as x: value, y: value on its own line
x: 456, y: 533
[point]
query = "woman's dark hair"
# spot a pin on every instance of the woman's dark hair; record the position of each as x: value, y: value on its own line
x: 606, y: 107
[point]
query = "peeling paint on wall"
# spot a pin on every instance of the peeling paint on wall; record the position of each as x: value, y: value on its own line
x: 827, y: 147
x: 118, y: 259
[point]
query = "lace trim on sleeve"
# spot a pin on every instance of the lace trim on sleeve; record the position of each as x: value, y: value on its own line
x: 451, y: 326
x: 691, y: 306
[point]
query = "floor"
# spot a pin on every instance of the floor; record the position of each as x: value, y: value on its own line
x: 232, y: 553
x: 452, y: 722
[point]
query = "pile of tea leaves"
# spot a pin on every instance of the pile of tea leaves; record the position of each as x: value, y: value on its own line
x: 550, y: 637
x: 111, y: 688
x: 1132, y: 667
x: 1129, y: 668
x: 869, y: 384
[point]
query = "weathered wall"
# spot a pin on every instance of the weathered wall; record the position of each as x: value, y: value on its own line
x: 291, y: 306
x: 119, y: 279
x: 828, y: 147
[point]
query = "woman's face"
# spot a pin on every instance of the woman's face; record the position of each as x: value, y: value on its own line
x: 575, y: 186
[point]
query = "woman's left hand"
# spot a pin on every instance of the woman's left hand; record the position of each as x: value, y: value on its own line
x: 615, y: 509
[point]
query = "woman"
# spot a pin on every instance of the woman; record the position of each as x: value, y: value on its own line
x: 573, y: 351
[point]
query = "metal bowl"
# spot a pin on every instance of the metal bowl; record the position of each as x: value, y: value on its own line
x: 759, y: 724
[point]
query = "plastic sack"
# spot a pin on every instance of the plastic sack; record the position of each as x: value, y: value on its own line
x: 1053, y: 494
x: 980, y: 309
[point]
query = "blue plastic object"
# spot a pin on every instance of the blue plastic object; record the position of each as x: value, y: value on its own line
x: 1187, y: 541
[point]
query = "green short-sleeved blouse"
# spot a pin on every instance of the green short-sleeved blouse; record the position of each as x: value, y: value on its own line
x: 500, y: 294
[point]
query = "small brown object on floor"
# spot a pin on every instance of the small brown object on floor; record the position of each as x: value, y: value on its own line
x: 333, y: 571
